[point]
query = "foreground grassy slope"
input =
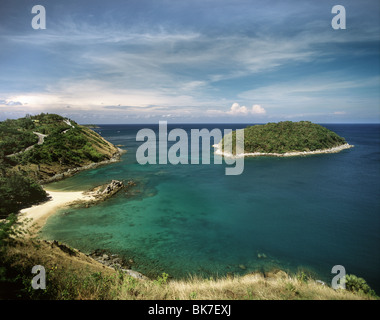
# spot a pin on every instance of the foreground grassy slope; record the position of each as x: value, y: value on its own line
x: 288, y: 136
x: 73, y: 275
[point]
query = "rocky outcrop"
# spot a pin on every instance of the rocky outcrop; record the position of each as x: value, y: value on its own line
x: 113, y: 187
x: 116, y: 262
x: 102, y: 193
x: 63, y: 247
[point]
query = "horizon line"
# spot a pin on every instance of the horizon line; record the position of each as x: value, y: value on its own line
x: 253, y: 123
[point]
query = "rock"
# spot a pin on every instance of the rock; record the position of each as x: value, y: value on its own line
x: 320, y: 282
x: 131, y: 183
x: 64, y: 248
x: 134, y: 274
x: 114, y: 186
x: 117, y: 260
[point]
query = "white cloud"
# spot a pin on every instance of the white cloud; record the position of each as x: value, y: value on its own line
x: 257, y: 109
x: 236, y: 109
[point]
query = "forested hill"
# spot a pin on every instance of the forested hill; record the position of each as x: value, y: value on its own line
x: 35, y: 148
x: 288, y: 136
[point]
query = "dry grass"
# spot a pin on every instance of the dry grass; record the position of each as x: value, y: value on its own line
x: 73, y: 275
x: 278, y: 286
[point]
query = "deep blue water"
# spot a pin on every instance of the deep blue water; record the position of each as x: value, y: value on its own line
x: 307, y: 213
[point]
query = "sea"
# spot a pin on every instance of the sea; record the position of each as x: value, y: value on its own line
x: 298, y: 214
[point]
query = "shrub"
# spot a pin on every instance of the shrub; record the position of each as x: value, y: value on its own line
x: 17, y: 192
x: 356, y: 284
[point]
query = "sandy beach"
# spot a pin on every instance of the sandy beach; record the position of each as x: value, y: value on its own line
x: 38, y: 214
x: 218, y: 151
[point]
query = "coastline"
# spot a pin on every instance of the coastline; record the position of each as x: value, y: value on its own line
x: 36, y: 216
x: 286, y: 154
x: 70, y: 172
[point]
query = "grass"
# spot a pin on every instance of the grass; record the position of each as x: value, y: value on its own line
x: 78, y: 277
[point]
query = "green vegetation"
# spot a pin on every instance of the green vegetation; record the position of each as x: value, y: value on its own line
x: 359, y: 285
x: 18, y: 192
x: 24, y: 159
x: 70, y: 148
x: 65, y: 144
x: 91, y: 126
x: 288, y: 136
x: 10, y: 232
x: 16, y: 135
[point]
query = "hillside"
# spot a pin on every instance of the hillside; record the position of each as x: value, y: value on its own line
x: 72, y: 275
x: 48, y: 144
x: 37, y: 149
x: 288, y: 136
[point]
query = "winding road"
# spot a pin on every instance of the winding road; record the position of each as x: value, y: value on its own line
x: 41, y: 138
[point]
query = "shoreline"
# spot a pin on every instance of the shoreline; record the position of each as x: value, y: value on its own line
x: 286, y: 154
x: 39, y: 214
x: 35, y: 217
x: 70, y: 172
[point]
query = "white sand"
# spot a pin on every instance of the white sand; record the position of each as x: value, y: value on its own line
x: 39, y: 213
x: 219, y: 151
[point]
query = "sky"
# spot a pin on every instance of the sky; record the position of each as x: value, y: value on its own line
x: 191, y: 61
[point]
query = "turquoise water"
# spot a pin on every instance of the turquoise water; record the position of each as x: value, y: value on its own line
x: 306, y: 212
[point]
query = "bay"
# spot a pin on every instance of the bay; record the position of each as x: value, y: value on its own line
x: 300, y: 213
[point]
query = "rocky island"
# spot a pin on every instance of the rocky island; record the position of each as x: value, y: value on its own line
x: 284, y: 139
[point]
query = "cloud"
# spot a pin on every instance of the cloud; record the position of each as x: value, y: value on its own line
x: 236, y: 109
x: 10, y: 103
x: 257, y: 109
x: 192, y: 62
x: 339, y: 112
